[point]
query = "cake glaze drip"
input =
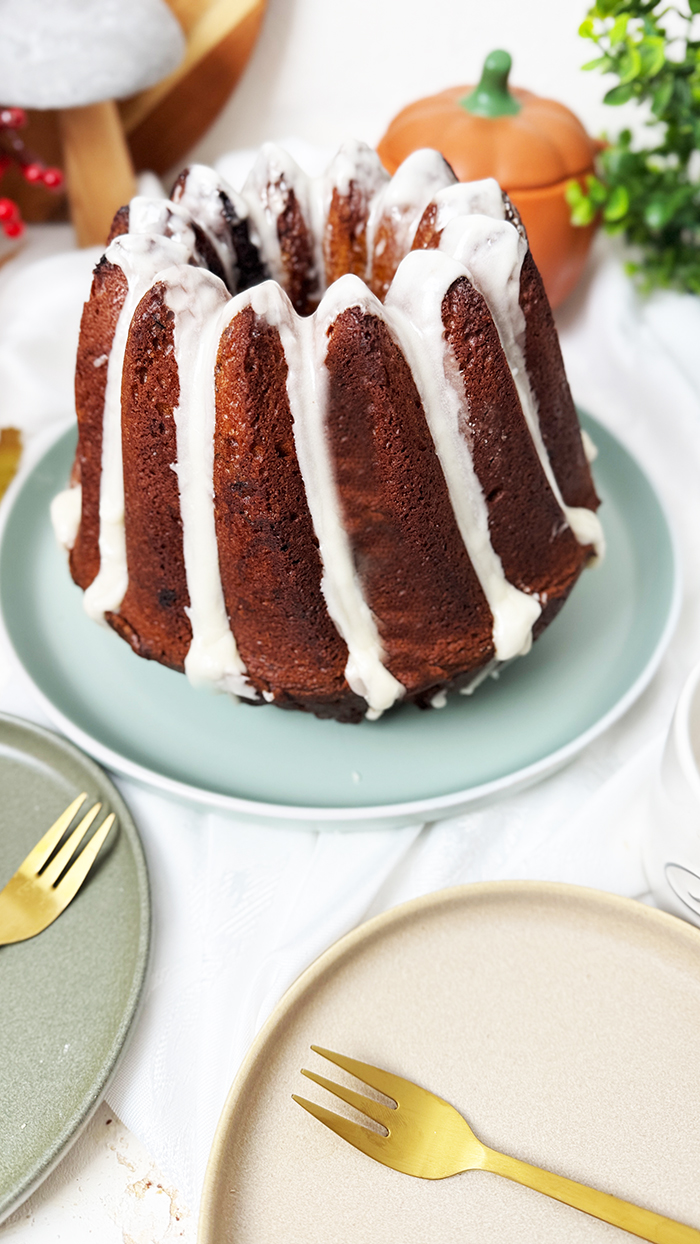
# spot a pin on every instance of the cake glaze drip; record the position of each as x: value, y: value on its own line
x: 299, y: 231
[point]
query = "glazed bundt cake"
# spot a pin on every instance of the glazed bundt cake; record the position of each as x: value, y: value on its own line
x: 327, y: 453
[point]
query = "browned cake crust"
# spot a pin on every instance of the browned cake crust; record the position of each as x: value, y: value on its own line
x: 386, y: 257
x: 270, y: 564
x: 558, y: 419
x: 539, y: 551
x: 427, y: 235
x: 297, y: 248
x: 415, y: 572
x: 345, y: 235
x: 120, y: 224
x: 152, y: 615
x: 97, y: 327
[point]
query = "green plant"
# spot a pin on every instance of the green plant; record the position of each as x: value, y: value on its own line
x: 649, y: 193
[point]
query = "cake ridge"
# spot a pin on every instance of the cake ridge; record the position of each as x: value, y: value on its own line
x: 303, y: 340
x: 140, y: 257
x: 492, y: 254
x: 196, y: 299
x: 412, y: 310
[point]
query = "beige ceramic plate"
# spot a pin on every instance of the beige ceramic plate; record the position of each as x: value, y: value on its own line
x: 564, y: 1023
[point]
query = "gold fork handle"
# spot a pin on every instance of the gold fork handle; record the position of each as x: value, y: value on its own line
x: 640, y: 1222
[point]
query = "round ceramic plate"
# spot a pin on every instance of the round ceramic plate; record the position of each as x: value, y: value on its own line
x: 146, y: 721
x: 68, y: 997
x: 563, y: 1023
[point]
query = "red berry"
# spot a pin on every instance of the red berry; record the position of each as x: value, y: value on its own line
x: 33, y: 172
x: 13, y: 118
x: 53, y: 178
x: 8, y: 209
x: 14, y: 228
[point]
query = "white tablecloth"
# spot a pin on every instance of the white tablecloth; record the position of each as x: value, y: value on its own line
x: 239, y: 911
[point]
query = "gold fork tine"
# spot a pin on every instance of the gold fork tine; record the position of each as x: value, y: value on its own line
x: 41, y: 852
x: 383, y: 1081
x: 69, y: 885
x: 31, y: 901
x: 374, y: 1110
x: 62, y: 859
x: 371, y: 1143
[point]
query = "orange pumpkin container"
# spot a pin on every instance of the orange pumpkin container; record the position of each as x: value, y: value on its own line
x: 532, y: 146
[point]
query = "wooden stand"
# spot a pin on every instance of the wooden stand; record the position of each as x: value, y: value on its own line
x: 97, y: 164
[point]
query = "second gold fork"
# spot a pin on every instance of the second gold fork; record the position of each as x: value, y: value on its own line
x: 424, y: 1135
x: 32, y: 898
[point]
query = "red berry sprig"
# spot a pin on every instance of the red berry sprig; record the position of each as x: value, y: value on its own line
x: 13, y: 150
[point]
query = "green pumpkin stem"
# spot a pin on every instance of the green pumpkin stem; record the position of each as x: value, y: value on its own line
x: 492, y: 98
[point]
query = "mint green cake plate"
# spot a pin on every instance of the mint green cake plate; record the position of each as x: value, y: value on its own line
x: 68, y: 997
x: 145, y: 721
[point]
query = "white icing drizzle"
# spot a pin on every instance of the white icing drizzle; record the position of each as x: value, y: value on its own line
x: 196, y: 299
x: 141, y: 258
x: 357, y: 163
x: 266, y: 192
x: 590, y: 448
x: 305, y: 344
x: 405, y: 197
x: 65, y: 515
x: 200, y: 197
x: 160, y: 216
x: 489, y: 671
x: 469, y: 198
x: 412, y: 311
x: 492, y: 252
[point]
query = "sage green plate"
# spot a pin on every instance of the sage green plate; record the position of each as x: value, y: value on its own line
x: 146, y: 721
x: 68, y: 997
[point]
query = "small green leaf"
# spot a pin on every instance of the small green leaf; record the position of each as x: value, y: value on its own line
x: 618, y: 31
x: 630, y: 66
x: 583, y: 214
x: 653, y: 57
x: 601, y: 62
x: 573, y: 193
x: 657, y: 213
x: 586, y: 29
x: 597, y: 191
x: 619, y: 94
x: 617, y: 205
x: 662, y: 96
x: 694, y: 6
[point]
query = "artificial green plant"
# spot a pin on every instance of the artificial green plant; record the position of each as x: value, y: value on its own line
x: 650, y: 192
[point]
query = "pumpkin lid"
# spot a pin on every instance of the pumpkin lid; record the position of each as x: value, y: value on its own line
x: 492, y: 130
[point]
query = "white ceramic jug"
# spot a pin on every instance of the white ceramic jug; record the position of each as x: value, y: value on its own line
x: 672, y: 843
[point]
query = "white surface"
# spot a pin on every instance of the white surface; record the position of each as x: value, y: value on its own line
x: 107, y: 1189
x: 239, y: 912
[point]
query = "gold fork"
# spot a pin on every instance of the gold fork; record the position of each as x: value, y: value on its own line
x: 33, y: 899
x: 425, y: 1136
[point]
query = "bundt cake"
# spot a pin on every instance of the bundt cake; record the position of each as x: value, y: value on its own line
x: 327, y: 454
